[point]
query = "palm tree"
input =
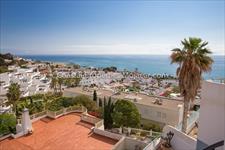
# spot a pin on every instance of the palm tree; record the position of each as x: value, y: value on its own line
x: 52, y: 67
x: 77, y: 81
x: 13, y: 94
x: 60, y: 82
x: 54, y: 83
x: 193, y: 59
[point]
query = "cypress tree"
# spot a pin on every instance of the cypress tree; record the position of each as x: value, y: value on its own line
x: 108, y: 110
x: 95, y: 96
x: 100, y: 102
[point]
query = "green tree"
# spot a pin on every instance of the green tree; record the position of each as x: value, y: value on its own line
x: 193, y: 59
x: 125, y: 113
x: 107, y: 113
x: 60, y: 82
x: 13, y: 94
x: 52, y: 68
x: 53, y: 84
x: 7, y: 124
x: 100, y: 102
x: 95, y: 97
x: 77, y: 81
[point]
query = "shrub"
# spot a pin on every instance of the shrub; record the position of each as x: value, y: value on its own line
x: 55, y: 105
x: 7, y: 124
x: 126, y: 114
x: 68, y: 101
x: 86, y: 102
x: 153, y: 127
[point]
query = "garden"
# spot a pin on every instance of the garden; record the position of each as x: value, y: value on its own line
x: 41, y: 102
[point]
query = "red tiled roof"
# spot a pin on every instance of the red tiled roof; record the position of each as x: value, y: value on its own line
x: 64, y: 133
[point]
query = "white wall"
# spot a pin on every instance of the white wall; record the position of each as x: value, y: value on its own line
x: 180, y: 141
x: 212, y: 113
x: 127, y: 143
x: 168, y: 116
x: 108, y: 134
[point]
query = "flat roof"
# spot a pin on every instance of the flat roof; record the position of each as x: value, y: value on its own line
x: 67, y: 132
x: 143, y: 99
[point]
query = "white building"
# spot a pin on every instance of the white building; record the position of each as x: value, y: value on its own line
x: 168, y: 112
x: 30, y: 82
x: 211, y: 128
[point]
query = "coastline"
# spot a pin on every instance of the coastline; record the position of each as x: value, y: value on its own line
x: 150, y: 64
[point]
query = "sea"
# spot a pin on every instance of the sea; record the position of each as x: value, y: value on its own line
x: 148, y: 64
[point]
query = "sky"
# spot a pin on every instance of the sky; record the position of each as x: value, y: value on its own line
x: 109, y: 27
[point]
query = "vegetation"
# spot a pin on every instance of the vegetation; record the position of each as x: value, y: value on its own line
x: 125, y: 114
x: 55, y: 105
x: 33, y: 106
x: 57, y: 82
x: 60, y: 82
x: 61, y: 102
x: 100, y: 102
x: 13, y: 94
x: 107, y: 114
x: 7, y: 60
x: 193, y: 59
x: 53, y: 102
x: 6, y: 56
x: 54, y: 83
x: 95, y: 96
x: 3, y: 69
x: 74, y: 66
x: 7, y: 124
x: 71, y: 82
x: 153, y: 127
x: 110, y: 69
x: 86, y: 102
x: 35, y: 103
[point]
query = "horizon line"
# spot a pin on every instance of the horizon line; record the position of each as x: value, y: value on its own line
x: 98, y: 54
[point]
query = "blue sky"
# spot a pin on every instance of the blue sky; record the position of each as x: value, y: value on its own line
x: 111, y: 27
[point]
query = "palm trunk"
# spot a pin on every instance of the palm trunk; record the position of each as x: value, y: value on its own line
x: 55, y: 89
x: 185, y: 113
x: 60, y: 87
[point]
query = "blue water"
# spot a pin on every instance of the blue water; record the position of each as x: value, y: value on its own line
x: 150, y: 64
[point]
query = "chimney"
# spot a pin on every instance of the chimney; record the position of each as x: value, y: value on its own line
x: 26, y: 122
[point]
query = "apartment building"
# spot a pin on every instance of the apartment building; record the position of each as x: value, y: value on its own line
x: 157, y: 109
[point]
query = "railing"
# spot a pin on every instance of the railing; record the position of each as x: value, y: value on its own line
x: 108, y: 134
x: 55, y: 114
x: 64, y: 111
x: 151, y: 134
x: 90, y: 119
x: 76, y: 108
x: 37, y: 115
x: 33, y: 117
x: 51, y: 114
x: 60, y: 112
x: 40, y: 114
x: 213, y: 146
x: 190, y: 121
x: 153, y: 145
x: 99, y: 124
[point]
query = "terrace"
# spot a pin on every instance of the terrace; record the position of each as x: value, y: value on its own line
x: 66, y: 132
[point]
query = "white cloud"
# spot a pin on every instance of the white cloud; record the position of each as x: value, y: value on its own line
x: 119, y: 48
